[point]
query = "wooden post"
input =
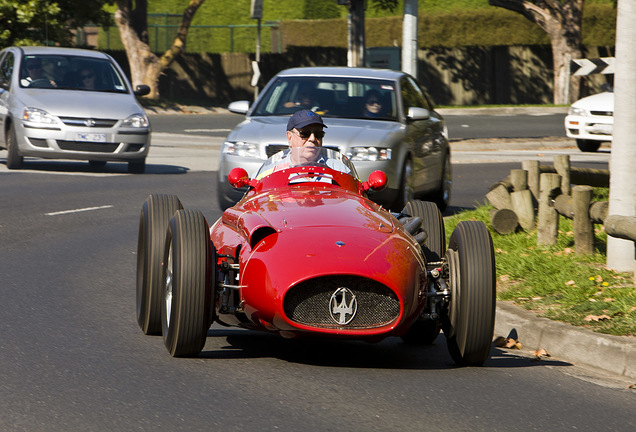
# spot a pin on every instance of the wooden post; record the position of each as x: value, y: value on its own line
x: 504, y: 221
x: 519, y: 179
x: 583, y: 227
x: 562, y: 167
x: 499, y: 197
x: 532, y: 167
x: 524, y: 208
x: 549, y: 185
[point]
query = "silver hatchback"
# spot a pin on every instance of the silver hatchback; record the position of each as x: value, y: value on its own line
x: 381, y: 119
x: 65, y: 103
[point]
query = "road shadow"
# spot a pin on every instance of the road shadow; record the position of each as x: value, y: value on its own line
x: 391, y: 353
x: 83, y: 167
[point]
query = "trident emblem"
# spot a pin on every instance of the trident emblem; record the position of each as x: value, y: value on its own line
x: 342, y: 312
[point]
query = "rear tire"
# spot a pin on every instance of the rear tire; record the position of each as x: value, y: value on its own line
x: 433, y: 224
x: 153, y: 225
x: 470, y: 318
x: 14, y: 160
x: 588, y: 145
x: 187, y: 293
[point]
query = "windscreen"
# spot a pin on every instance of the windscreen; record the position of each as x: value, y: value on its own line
x: 330, y: 97
x: 64, y: 72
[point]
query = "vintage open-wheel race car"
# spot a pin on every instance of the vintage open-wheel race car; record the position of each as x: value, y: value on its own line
x: 306, y: 253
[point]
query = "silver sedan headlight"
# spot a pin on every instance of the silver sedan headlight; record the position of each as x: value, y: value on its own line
x: 369, y: 154
x: 136, y: 121
x: 241, y: 148
x: 39, y: 117
x: 577, y: 111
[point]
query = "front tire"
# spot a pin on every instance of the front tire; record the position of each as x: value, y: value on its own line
x: 470, y: 318
x: 442, y: 196
x: 137, y: 166
x: 588, y: 146
x: 14, y: 159
x: 405, y: 193
x: 153, y: 225
x: 187, y: 293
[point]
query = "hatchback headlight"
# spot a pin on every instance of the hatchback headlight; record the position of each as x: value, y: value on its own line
x: 241, y: 148
x: 577, y: 111
x: 136, y: 121
x: 369, y: 154
x: 36, y: 115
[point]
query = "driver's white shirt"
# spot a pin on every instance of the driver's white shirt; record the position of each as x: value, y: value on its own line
x: 286, y: 162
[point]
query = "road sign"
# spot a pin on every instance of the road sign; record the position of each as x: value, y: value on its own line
x: 603, y: 65
x: 257, y: 74
x: 257, y: 9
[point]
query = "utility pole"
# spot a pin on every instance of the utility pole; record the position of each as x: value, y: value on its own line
x: 622, y: 199
x: 409, y: 38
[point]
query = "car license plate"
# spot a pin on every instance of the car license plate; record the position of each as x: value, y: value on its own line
x: 90, y: 137
x: 603, y: 128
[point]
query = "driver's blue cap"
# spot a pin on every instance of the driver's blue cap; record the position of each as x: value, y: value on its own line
x: 303, y: 118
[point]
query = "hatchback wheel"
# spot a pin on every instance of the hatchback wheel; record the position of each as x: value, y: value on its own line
x: 14, y: 160
x: 588, y: 145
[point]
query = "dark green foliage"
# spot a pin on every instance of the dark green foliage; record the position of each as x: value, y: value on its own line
x: 41, y: 22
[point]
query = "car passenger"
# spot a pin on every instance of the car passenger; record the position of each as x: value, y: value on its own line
x: 373, y: 105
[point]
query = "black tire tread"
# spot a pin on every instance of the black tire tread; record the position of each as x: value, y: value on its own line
x: 155, y: 216
x: 190, y: 318
x: 470, y: 340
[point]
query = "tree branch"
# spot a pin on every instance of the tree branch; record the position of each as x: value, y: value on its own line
x: 179, y: 43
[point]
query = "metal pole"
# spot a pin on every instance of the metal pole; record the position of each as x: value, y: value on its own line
x: 258, y: 52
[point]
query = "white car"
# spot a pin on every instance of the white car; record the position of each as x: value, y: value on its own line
x: 590, y: 121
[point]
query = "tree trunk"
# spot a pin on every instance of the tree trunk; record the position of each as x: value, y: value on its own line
x: 561, y: 20
x: 146, y: 66
x: 355, y: 56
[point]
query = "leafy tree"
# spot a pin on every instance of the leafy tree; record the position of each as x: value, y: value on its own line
x: 561, y: 20
x: 42, y: 22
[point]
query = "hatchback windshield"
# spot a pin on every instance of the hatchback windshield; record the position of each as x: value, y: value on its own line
x: 65, y: 72
x: 330, y: 97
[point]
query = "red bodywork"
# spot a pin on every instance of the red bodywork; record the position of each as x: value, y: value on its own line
x: 297, y: 242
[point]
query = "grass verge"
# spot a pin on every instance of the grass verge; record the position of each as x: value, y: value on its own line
x: 557, y: 283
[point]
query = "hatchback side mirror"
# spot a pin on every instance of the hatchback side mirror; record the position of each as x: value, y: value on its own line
x: 142, y: 90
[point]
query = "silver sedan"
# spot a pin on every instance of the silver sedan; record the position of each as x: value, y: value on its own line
x: 65, y: 103
x: 381, y: 119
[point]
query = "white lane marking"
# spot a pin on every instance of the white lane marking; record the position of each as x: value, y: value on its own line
x: 208, y: 130
x: 63, y: 212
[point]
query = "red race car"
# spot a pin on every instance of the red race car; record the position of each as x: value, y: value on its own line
x: 306, y: 253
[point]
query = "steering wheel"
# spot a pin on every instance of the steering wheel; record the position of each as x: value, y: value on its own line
x: 41, y: 83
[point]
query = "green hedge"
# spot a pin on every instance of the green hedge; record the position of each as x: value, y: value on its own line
x: 480, y: 27
x: 484, y: 26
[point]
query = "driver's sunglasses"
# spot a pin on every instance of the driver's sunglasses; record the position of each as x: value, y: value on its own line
x: 306, y: 134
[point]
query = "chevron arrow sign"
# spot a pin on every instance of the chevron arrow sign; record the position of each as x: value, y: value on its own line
x: 603, y: 65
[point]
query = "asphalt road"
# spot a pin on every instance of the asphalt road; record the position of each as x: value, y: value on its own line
x: 72, y: 357
x: 462, y: 124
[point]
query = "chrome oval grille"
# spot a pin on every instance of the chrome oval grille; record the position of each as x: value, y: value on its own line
x: 313, y: 302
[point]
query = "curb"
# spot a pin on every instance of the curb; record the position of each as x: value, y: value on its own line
x: 613, y: 354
